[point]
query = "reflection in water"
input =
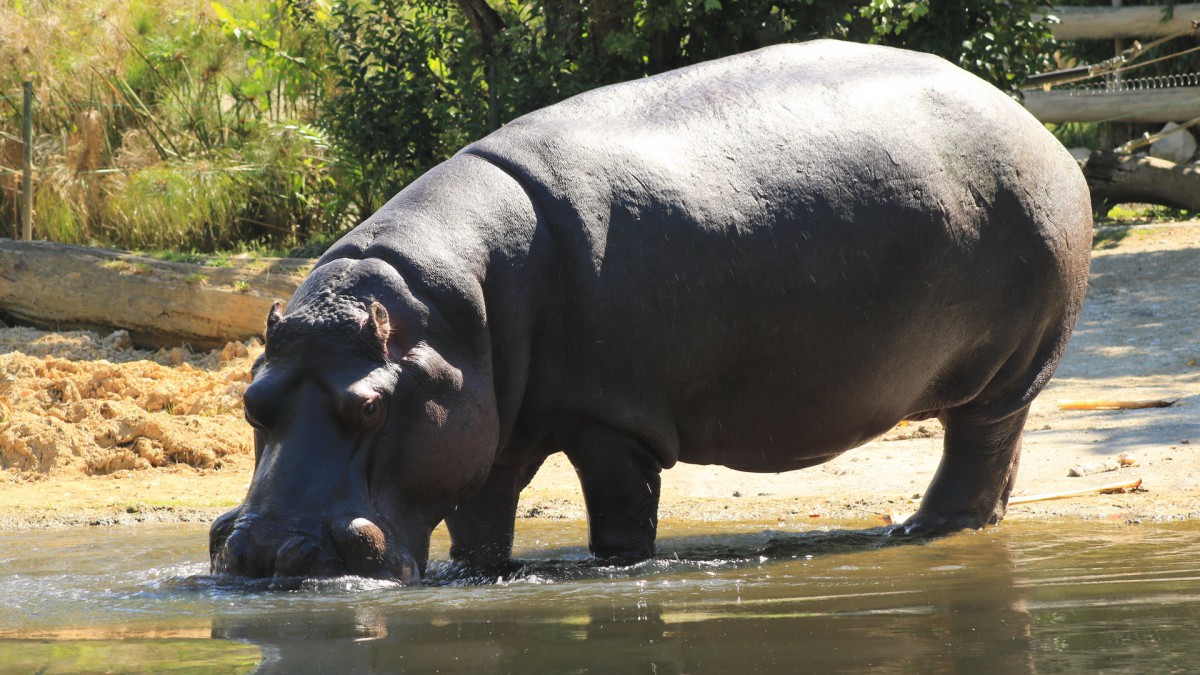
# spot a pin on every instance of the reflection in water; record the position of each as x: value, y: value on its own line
x: 1018, y: 598
x: 718, y: 607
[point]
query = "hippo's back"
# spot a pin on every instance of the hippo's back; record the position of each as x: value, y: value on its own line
x: 780, y: 254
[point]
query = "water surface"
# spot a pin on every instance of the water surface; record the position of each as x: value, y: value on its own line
x: 723, y: 597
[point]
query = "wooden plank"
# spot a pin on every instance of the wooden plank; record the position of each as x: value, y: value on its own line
x: 161, y: 304
x: 1108, y: 23
x: 1171, y: 104
x: 27, y: 163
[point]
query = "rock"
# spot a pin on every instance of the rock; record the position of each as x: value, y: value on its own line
x: 1080, y: 154
x: 119, y: 340
x: 1178, y: 147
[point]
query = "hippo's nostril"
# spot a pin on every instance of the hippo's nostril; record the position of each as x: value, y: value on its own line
x: 219, y: 533
x: 296, y: 557
x: 234, y: 556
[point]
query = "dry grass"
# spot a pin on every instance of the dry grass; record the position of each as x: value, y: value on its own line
x: 149, y: 125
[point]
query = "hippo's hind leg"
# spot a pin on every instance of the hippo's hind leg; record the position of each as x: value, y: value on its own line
x: 976, y: 474
x: 982, y: 447
x: 620, y: 480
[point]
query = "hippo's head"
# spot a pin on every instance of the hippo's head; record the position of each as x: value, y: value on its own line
x: 370, y: 423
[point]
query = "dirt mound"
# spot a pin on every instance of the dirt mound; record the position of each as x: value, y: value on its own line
x: 76, y: 402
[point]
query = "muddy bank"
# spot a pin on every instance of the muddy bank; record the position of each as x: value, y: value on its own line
x: 92, y: 429
x: 95, y: 431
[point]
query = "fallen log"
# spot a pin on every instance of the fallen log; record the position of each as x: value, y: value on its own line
x: 161, y: 303
x: 1115, y: 178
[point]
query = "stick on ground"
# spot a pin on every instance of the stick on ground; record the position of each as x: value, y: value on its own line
x: 1116, y: 405
x: 1099, y: 489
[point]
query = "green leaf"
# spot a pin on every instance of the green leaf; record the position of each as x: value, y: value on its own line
x: 437, y: 67
x: 222, y: 13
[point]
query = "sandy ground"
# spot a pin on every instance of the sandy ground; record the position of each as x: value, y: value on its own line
x: 95, y: 432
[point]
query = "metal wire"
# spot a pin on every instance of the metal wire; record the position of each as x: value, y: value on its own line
x: 1108, y: 69
x: 1113, y: 84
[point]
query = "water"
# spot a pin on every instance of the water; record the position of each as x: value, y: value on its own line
x: 1065, y: 597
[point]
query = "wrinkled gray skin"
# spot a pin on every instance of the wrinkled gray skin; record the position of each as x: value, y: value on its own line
x: 758, y: 262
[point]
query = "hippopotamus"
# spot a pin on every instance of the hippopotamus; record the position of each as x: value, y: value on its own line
x: 758, y: 262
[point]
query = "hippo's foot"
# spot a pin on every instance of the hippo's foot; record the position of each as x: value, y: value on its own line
x: 971, y: 487
x: 462, y: 571
x: 622, y: 558
x: 927, y: 524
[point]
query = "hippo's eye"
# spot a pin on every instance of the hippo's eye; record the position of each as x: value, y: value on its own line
x: 371, y: 411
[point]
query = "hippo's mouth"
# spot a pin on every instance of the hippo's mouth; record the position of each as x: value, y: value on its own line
x: 248, y: 545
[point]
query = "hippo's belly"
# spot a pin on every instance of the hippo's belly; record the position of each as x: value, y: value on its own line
x: 766, y: 276
x: 777, y: 348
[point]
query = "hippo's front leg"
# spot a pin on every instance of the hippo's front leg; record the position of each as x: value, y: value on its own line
x: 481, y: 528
x: 975, y: 477
x: 620, y: 480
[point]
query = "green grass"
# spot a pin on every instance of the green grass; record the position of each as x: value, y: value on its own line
x: 1077, y: 134
x: 1128, y: 221
x: 156, y: 126
x: 190, y: 257
x: 126, y: 267
x: 117, y: 653
x: 1143, y: 214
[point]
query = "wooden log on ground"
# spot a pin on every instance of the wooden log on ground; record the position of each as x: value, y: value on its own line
x: 1107, y: 23
x: 160, y: 303
x: 1116, y: 178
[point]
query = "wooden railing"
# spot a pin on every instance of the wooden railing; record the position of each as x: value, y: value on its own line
x: 1144, y: 102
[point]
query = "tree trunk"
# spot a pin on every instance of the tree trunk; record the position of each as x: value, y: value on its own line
x: 161, y: 304
x: 606, y: 19
x: 1116, y: 178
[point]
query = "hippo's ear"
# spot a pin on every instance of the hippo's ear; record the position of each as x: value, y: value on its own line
x: 381, y: 323
x: 275, y: 315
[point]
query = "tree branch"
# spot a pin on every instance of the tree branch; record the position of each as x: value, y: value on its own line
x: 485, y: 20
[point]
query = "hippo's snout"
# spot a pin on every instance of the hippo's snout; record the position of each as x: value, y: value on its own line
x: 245, y: 545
